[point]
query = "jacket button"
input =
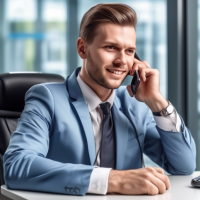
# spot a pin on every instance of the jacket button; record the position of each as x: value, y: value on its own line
x: 67, y: 189
x: 76, y: 190
x: 71, y: 190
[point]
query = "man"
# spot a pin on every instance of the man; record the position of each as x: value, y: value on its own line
x: 86, y: 134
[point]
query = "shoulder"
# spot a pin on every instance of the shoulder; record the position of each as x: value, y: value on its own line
x: 48, y: 89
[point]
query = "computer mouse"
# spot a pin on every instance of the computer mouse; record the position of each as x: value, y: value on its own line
x: 196, y: 182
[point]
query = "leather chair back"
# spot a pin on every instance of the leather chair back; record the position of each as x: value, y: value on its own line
x: 13, y: 87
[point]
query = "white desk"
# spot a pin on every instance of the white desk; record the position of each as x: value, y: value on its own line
x: 180, y: 189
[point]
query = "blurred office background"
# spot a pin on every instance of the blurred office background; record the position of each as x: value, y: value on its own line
x: 40, y: 35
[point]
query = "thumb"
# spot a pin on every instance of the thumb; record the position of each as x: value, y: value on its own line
x: 129, y: 90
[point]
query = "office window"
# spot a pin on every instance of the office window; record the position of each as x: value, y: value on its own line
x: 151, y: 37
x: 35, y: 38
x: 198, y: 78
x: 198, y: 58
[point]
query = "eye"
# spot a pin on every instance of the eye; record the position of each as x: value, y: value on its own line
x: 110, y: 47
x: 130, y: 51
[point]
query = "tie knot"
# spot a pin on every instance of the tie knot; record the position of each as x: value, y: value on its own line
x: 105, y: 108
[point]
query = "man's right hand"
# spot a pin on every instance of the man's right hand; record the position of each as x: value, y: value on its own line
x: 147, y: 180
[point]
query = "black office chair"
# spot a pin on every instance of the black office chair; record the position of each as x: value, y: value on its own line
x: 12, y: 91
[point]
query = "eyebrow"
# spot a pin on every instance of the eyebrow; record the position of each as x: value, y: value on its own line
x: 115, y: 44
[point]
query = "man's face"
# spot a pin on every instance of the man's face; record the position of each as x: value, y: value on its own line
x: 111, y: 54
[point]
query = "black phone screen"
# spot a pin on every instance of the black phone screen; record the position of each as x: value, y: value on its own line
x: 136, y: 79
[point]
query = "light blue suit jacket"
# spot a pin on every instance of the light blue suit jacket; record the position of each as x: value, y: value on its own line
x: 53, y: 147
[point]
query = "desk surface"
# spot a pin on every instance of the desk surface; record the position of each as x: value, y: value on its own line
x: 180, y: 189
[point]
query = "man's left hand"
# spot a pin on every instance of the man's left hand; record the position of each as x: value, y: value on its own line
x: 148, y: 91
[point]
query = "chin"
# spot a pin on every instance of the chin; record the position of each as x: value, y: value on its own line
x: 114, y: 86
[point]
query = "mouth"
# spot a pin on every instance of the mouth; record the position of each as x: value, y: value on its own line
x: 115, y: 72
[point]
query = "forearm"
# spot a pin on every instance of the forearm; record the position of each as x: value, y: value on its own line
x: 177, y: 145
x: 171, y: 122
x: 180, y: 151
x: 173, y: 151
x: 157, y: 103
x: 25, y: 164
x: 27, y: 171
x: 114, y: 181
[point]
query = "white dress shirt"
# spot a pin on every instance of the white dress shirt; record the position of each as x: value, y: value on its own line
x: 99, y: 177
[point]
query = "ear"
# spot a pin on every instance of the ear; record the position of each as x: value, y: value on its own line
x: 81, y: 48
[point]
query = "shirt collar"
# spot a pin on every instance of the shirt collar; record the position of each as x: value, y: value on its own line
x: 90, y: 96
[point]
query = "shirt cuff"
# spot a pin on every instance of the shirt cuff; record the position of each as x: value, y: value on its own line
x: 171, y: 122
x: 99, y: 180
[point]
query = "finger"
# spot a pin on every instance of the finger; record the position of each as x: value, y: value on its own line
x: 159, y: 170
x: 158, y: 183
x: 136, y: 60
x: 146, y: 64
x: 145, y: 72
x: 136, y: 66
x: 152, y: 189
x: 164, y: 179
x: 159, y: 173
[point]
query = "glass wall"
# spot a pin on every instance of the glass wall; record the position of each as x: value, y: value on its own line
x: 199, y: 60
x: 198, y: 78
x: 35, y: 38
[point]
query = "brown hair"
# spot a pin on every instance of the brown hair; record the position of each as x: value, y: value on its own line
x: 120, y: 14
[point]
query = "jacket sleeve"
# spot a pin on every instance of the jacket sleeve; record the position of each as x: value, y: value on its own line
x: 25, y: 164
x: 173, y: 151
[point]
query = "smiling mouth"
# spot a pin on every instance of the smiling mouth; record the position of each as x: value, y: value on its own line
x: 115, y: 71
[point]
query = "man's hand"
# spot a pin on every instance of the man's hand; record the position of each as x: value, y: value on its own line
x: 148, y: 91
x: 148, y: 180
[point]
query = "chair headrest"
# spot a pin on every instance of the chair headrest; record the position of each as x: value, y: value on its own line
x: 13, y: 87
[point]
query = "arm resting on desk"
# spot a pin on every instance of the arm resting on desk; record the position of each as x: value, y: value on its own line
x: 25, y: 164
x: 173, y: 151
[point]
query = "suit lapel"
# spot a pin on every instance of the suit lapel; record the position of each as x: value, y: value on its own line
x: 121, y: 132
x: 84, y: 116
x: 120, y: 121
x: 82, y: 111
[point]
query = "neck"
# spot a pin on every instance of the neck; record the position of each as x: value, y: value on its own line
x: 102, y: 92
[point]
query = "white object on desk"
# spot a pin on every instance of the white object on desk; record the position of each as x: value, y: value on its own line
x: 180, y: 189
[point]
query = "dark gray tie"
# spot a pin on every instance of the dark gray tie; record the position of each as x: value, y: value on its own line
x: 107, y: 154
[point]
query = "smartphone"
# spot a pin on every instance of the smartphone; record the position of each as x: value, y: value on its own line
x: 136, y: 79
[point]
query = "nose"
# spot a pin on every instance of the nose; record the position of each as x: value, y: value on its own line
x: 120, y: 59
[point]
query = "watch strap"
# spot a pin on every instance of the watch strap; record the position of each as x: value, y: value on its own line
x: 166, y: 111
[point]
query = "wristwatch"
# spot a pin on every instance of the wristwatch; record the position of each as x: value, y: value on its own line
x: 166, y: 111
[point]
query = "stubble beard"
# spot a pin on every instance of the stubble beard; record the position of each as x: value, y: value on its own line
x: 95, y: 73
